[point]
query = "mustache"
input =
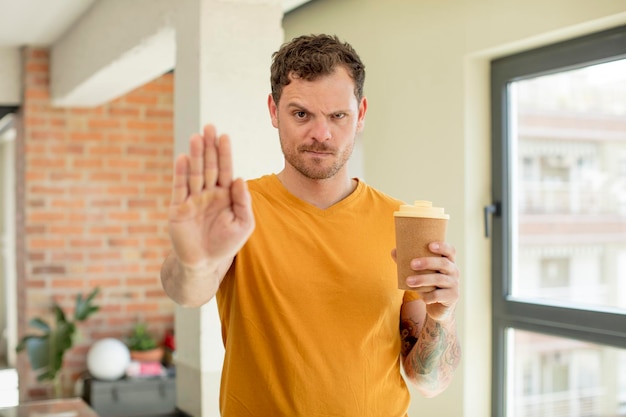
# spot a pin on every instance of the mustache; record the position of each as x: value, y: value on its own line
x: 317, y: 147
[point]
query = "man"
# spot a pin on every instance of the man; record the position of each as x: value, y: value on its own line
x: 312, y: 320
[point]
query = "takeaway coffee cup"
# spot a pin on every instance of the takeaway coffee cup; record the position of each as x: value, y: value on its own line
x: 417, y: 225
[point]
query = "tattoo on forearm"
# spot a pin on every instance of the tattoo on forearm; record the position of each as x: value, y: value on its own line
x: 408, y: 335
x: 436, y: 354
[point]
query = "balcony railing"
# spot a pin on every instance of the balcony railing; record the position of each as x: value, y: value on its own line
x: 574, y: 403
x: 543, y: 197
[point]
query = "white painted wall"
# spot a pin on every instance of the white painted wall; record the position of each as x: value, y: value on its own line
x: 10, y: 76
x: 427, y: 133
x: 8, y: 274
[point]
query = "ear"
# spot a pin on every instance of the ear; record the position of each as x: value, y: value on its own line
x: 361, y: 119
x: 273, y: 108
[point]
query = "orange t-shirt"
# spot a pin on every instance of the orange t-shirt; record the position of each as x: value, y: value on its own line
x: 310, y: 310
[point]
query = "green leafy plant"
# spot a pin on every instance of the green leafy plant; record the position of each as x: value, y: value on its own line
x: 140, y: 339
x: 46, y: 350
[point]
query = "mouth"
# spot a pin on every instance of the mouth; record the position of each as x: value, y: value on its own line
x: 317, y: 152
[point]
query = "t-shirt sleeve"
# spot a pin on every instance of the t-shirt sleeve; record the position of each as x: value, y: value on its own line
x: 410, y: 296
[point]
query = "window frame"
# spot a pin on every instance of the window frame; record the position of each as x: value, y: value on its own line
x: 606, y: 327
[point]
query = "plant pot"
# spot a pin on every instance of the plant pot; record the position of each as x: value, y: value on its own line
x: 152, y: 355
x: 59, y: 387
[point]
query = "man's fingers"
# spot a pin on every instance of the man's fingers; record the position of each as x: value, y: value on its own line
x: 424, y: 281
x: 180, y: 190
x: 225, y: 169
x: 195, y: 176
x: 240, y: 195
x: 218, y: 164
x: 443, y: 249
x: 444, y: 296
x: 209, y: 164
x: 210, y: 157
x: 441, y: 264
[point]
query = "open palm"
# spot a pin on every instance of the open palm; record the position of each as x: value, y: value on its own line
x: 210, y: 215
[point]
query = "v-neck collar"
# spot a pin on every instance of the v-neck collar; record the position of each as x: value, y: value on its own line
x: 278, y: 187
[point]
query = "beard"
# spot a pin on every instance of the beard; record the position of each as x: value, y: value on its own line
x: 316, y: 168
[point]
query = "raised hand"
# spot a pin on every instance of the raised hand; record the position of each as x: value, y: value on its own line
x: 210, y: 215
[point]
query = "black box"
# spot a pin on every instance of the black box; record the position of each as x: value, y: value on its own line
x: 130, y: 397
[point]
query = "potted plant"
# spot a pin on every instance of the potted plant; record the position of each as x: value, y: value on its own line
x: 46, y: 350
x: 143, y: 346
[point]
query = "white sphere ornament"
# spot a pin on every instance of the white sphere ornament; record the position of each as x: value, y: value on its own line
x: 108, y: 359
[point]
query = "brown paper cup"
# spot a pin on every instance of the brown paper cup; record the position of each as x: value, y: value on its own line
x: 413, y: 234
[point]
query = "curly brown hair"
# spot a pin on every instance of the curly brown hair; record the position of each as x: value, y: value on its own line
x: 312, y: 56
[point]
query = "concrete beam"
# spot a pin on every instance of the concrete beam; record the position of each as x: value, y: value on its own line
x: 115, y: 47
x: 10, y: 77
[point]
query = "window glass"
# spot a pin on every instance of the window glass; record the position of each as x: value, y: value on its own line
x: 556, y: 377
x: 568, y: 157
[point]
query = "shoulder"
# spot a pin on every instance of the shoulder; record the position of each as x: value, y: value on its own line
x: 263, y: 187
x: 380, y: 198
x: 268, y: 194
x: 259, y: 184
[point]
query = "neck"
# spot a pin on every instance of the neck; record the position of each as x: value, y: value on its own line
x: 319, y: 193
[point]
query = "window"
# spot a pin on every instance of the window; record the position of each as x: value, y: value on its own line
x: 559, y: 230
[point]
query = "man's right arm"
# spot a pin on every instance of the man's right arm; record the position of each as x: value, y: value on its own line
x: 210, y: 219
x: 192, y: 286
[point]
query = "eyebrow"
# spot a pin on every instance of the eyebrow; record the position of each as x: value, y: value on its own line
x: 296, y: 105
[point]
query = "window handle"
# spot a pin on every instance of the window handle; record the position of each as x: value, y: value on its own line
x: 493, y: 210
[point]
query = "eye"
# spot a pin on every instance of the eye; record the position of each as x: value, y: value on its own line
x: 339, y: 115
x: 300, y: 114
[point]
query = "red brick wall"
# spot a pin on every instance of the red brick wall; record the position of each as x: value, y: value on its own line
x: 94, y: 195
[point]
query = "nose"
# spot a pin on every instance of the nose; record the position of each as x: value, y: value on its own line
x: 320, y: 130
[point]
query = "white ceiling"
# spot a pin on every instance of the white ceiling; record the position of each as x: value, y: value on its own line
x: 42, y: 22
x: 37, y: 22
